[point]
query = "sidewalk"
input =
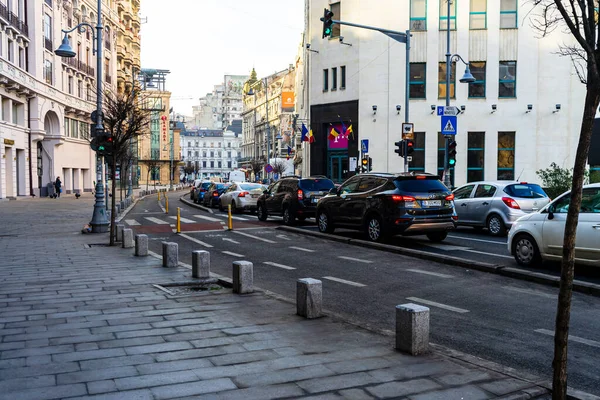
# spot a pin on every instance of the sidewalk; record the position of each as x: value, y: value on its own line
x: 79, y: 322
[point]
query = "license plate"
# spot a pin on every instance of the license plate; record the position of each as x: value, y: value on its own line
x: 431, y: 203
x: 315, y: 199
x: 255, y: 196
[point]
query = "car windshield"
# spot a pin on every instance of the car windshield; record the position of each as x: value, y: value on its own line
x: 315, y: 184
x: 250, y: 186
x: 222, y: 185
x: 525, y: 191
x: 421, y: 185
x: 205, y: 185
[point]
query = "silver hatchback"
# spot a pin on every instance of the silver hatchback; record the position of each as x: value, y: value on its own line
x: 497, y: 205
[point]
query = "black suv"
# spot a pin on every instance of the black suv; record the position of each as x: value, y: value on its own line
x: 389, y: 204
x: 293, y: 197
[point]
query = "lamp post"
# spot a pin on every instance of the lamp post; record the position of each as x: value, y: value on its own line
x: 99, y: 221
x: 251, y: 93
x: 467, y: 78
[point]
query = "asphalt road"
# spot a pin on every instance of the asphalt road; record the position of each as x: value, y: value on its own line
x: 493, y: 317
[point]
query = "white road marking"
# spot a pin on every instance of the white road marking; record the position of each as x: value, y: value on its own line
x: 420, y: 271
x: 439, y: 305
x: 157, y: 221
x: 132, y: 222
x: 489, y: 254
x: 478, y: 240
x: 331, y: 278
x: 184, y: 220
x: 302, y: 249
x: 230, y: 240
x: 233, y: 254
x: 183, y: 235
x: 278, y: 265
x: 355, y: 259
x: 283, y: 237
x: 531, y: 291
x: 211, y: 219
x: 233, y: 217
x: 572, y: 338
x: 446, y: 247
x: 254, y: 237
x: 221, y: 230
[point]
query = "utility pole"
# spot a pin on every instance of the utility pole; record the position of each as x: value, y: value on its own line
x: 447, y: 180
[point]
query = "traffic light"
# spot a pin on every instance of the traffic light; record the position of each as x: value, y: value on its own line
x: 327, y: 23
x: 365, y: 164
x: 103, y: 144
x: 400, y: 148
x: 369, y: 164
x: 451, y: 153
x: 410, y: 147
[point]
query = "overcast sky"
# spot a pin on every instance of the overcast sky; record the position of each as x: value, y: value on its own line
x: 200, y: 41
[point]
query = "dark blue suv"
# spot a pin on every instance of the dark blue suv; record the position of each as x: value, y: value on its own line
x: 382, y: 204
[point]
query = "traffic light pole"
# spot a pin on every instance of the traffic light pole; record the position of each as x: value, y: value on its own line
x: 407, y: 95
x: 447, y: 180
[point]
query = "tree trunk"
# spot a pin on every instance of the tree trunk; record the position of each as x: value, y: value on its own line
x: 113, y: 208
x: 563, y: 311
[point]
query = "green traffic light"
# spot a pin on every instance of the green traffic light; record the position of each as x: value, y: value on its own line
x: 328, y: 31
x: 100, y: 148
x: 451, y: 161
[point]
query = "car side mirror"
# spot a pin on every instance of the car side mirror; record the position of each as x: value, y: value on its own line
x: 265, y: 192
x: 551, y: 212
x: 333, y: 191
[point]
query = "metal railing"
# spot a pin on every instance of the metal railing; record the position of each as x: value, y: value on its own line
x: 13, y: 20
x: 48, y: 44
x: 49, y: 2
x: 108, y: 79
x: 80, y: 65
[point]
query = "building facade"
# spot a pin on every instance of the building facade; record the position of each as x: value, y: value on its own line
x: 211, y: 153
x: 522, y: 113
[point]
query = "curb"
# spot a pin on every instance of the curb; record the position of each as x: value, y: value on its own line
x: 537, y: 277
x: 198, y: 206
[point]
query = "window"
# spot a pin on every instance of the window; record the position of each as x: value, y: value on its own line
x: 67, y: 127
x: 508, y: 79
x: 441, y: 154
x: 464, y: 192
x: 48, y: 71
x: 442, y: 80
x: 74, y: 128
x: 506, y: 155
x: 351, y: 186
x: 196, y: 154
x: 475, y: 156
x: 590, y: 202
x: 212, y: 164
x: 219, y: 164
x: 229, y: 164
x: 189, y: 154
x: 189, y: 144
x: 325, y: 80
x: 21, y: 57
x: 80, y: 89
x: 229, y: 144
x: 203, y: 164
x: 48, y: 27
x: 228, y: 154
x: 70, y: 85
x: 15, y: 112
x: 417, y: 81
x: 333, y: 78
x: 11, y: 51
x: 212, y: 154
x: 508, y: 14
x: 337, y: 14
x: 343, y: 77
x: 444, y: 15
x: 418, y: 15
x: 204, y: 154
x: 418, y: 156
x: 477, y: 88
x: 484, y: 190
x: 594, y: 173
x: 477, y: 16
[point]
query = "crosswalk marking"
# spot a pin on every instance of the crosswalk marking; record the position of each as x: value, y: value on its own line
x: 254, y: 237
x: 420, y: 271
x: 211, y: 219
x: 195, y: 240
x: 439, y: 305
x: 132, y: 222
x: 184, y: 220
x: 331, y: 278
x: 302, y: 249
x: 233, y: 217
x: 233, y: 254
x: 355, y: 259
x: 572, y: 338
x: 157, y: 221
x: 278, y: 265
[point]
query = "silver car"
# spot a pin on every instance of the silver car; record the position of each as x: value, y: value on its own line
x: 497, y: 205
x: 241, y: 196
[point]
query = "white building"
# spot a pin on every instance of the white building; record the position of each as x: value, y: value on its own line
x: 511, y: 125
x: 46, y: 100
x: 218, y: 110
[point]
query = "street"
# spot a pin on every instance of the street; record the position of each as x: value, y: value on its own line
x: 489, y: 316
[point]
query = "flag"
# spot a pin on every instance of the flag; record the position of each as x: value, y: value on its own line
x: 311, y: 137
x: 350, y: 131
x: 289, y: 152
x: 344, y: 129
x: 304, y: 133
x: 333, y: 133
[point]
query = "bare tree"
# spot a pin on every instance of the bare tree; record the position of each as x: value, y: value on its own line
x: 256, y: 165
x: 279, y: 166
x: 577, y: 18
x: 153, y: 168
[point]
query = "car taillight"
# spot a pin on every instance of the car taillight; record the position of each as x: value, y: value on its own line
x: 216, y: 194
x: 450, y: 197
x: 300, y: 194
x: 243, y: 194
x: 511, y: 203
x: 397, y: 197
x: 203, y: 190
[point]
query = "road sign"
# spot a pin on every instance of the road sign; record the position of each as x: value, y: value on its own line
x: 449, y: 125
x: 408, y: 130
x: 268, y: 168
x: 440, y: 111
x: 447, y: 111
x: 364, y: 145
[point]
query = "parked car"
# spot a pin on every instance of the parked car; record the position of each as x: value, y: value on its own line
x: 199, y: 189
x: 497, y: 205
x: 213, y: 192
x: 293, y: 198
x: 539, y: 236
x: 382, y: 204
x: 241, y: 196
x: 237, y: 176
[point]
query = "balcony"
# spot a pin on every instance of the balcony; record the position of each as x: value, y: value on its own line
x: 80, y: 66
x: 13, y: 20
x: 108, y: 79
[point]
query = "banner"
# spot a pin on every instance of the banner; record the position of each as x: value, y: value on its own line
x: 287, y: 101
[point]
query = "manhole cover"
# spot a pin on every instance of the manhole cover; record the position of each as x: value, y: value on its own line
x: 187, y: 289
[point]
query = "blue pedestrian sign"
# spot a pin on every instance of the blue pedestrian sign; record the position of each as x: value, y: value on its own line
x: 364, y: 145
x: 449, y: 125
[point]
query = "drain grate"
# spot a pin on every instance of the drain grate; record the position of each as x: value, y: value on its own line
x: 90, y: 245
x: 188, y: 289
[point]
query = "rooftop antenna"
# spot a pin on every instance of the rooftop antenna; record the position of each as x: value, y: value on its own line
x: 519, y: 177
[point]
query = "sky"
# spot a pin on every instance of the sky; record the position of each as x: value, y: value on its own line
x: 200, y: 41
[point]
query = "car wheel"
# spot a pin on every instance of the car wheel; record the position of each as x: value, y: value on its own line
x: 261, y: 212
x: 437, y: 236
x: 324, y: 223
x: 221, y: 208
x: 288, y: 216
x: 303, y: 218
x: 374, y: 228
x: 526, y: 251
x: 495, y: 225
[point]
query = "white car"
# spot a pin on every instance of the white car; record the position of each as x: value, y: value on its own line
x: 539, y: 235
x: 241, y: 196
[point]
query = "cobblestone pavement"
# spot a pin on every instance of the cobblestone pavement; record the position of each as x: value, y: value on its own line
x: 81, y: 321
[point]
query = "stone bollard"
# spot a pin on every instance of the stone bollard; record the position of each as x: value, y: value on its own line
x: 118, y: 208
x: 412, y: 328
x: 122, y: 205
x: 170, y: 255
x: 200, y: 264
x: 243, y: 279
x: 128, y: 238
x: 120, y: 232
x: 141, y: 245
x: 309, y: 297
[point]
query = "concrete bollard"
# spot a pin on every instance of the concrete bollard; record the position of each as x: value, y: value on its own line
x: 118, y: 208
x: 243, y: 279
x: 170, y: 254
x: 122, y: 205
x: 120, y: 232
x: 141, y: 245
x: 128, y: 238
x: 200, y: 264
x: 309, y: 297
x: 412, y: 328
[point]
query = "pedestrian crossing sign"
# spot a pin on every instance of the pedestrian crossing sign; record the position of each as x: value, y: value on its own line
x: 449, y: 125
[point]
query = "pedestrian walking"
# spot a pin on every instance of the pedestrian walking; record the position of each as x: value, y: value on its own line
x: 58, y: 186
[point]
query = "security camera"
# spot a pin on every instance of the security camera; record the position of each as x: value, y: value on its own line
x: 529, y: 107
x: 463, y: 108
x: 433, y: 107
x: 398, y: 107
x: 558, y: 107
x: 341, y: 39
x: 308, y: 45
x: 374, y: 108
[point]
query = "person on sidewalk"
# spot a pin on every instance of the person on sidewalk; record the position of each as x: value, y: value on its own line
x: 57, y: 186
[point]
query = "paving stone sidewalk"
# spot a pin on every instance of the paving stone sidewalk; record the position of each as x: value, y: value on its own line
x: 86, y: 322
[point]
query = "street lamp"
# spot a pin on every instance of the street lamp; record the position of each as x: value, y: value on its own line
x: 99, y: 221
x: 252, y: 93
x: 467, y: 78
